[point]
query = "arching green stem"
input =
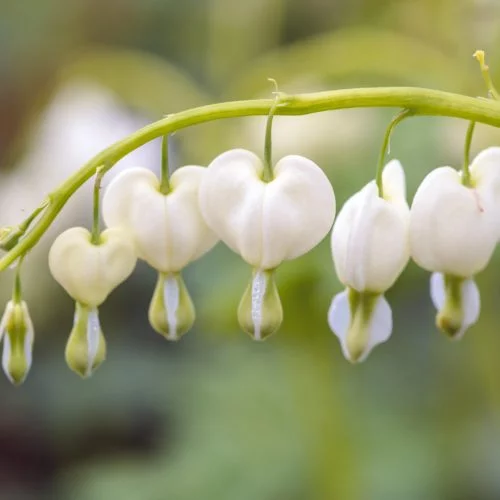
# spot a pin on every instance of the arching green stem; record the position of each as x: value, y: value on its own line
x: 466, y: 180
x: 424, y: 102
x: 385, y: 146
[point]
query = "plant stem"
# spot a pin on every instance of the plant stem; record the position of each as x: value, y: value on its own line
x: 421, y: 101
x: 466, y: 180
x: 96, y: 232
x: 385, y: 146
x: 268, y: 142
x: 164, y: 179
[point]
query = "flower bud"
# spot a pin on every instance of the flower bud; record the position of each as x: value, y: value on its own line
x: 9, y: 237
x: 168, y: 230
x: 260, y: 313
x: 89, y: 272
x: 171, y: 312
x: 360, y: 321
x: 17, y: 332
x: 86, y: 347
x: 267, y: 222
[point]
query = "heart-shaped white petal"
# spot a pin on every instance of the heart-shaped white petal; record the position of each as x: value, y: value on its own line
x: 370, y: 331
x: 370, y: 246
x: 453, y: 228
x: 267, y: 222
x: 168, y: 229
x: 90, y: 272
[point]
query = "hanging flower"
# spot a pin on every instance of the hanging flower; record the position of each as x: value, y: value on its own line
x: 454, y: 229
x: 89, y: 272
x: 168, y: 232
x: 17, y: 333
x: 370, y: 249
x: 266, y: 223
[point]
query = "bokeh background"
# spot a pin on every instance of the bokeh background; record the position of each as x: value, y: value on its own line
x: 217, y: 416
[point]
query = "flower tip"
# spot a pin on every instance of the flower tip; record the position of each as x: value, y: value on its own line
x: 171, y: 312
x: 260, y: 313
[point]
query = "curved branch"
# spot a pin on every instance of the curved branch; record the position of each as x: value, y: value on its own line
x: 420, y: 101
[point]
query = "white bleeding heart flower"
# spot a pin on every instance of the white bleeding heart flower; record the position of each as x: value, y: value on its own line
x: 454, y: 230
x: 370, y: 249
x: 16, y: 330
x: 266, y: 222
x: 87, y: 271
x: 168, y: 229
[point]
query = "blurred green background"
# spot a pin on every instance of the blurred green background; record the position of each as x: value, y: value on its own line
x: 216, y: 416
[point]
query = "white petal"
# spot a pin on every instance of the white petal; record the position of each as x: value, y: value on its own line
x: 452, y: 227
x: 267, y: 222
x: 379, y: 327
x: 339, y: 319
x: 168, y: 230
x: 369, y: 240
x: 438, y: 295
x: 90, y: 272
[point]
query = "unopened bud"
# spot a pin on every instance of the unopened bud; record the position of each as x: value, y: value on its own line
x: 171, y: 312
x: 9, y: 237
x: 86, y: 347
x: 17, y: 332
x: 260, y: 313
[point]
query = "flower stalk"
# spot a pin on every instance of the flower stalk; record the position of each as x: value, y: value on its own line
x: 423, y: 102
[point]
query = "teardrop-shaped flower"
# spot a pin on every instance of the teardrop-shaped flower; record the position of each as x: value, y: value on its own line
x: 370, y: 249
x: 454, y: 229
x: 17, y: 333
x: 168, y: 230
x: 87, y: 271
x: 267, y: 222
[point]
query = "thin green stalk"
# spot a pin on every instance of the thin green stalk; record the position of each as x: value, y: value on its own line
x: 164, y: 179
x: 16, y: 291
x: 466, y: 179
x: 268, y: 174
x: 424, y: 102
x: 485, y: 70
x: 96, y: 231
x: 385, y: 147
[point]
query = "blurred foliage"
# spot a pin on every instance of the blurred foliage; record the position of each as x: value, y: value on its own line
x: 216, y: 416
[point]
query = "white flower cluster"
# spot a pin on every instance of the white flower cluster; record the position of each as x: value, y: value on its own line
x: 451, y: 230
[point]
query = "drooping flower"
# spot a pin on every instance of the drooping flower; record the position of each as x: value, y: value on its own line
x: 17, y: 333
x: 266, y: 222
x: 370, y: 249
x: 168, y: 232
x: 89, y: 272
x: 454, y: 229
